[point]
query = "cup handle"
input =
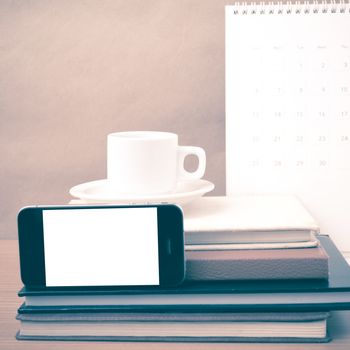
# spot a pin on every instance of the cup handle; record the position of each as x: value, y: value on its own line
x: 183, y: 152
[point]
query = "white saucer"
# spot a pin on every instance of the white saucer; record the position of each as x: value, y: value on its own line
x: 101, y: 191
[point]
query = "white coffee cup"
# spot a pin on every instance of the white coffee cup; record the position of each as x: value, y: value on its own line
x: 149, y: 162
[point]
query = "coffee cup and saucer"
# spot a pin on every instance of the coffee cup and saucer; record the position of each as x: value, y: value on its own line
x: 146, y: 167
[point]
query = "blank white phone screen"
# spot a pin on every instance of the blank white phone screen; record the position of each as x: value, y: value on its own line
x: 101, y: 247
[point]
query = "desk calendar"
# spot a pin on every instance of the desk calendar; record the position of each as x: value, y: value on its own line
x: 288, y: 107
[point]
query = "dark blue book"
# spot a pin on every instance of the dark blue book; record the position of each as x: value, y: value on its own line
x: 176, y: 327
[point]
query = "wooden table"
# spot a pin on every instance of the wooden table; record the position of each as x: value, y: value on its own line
x: 10, y: 283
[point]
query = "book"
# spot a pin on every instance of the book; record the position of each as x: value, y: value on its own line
x: 256, y: 264
x: 152, y: 326
x: 306, y: 295
x: 250, y: 220
x: 246, y: 222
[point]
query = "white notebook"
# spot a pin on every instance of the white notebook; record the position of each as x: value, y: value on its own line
x: 288, y: 107
x: 278, y: 221
x: 246, y: 222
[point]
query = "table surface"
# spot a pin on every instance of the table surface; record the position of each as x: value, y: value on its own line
x: 339, y: 324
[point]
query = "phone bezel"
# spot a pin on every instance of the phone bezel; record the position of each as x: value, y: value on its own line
x: 170, y: 229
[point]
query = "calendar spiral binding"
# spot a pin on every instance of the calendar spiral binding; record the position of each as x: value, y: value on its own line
x: 298, y: 7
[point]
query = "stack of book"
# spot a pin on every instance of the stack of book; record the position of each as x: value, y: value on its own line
x: 252, y: 237
x: 257, y: 270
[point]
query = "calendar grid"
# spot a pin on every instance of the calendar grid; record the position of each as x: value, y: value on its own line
x: 288, y: 104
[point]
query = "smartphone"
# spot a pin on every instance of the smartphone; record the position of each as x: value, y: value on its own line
x: 100, y: 246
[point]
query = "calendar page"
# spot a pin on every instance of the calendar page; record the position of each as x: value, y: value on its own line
x: 288, y: 107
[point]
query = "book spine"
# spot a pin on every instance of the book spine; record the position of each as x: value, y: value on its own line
x: 201, y: 268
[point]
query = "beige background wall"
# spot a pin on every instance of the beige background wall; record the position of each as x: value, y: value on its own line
x: 73, y: 71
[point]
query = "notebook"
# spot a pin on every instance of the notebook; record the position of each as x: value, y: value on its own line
x: 288, y: 106
x: 246, y: 222
x: 249, y: 222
